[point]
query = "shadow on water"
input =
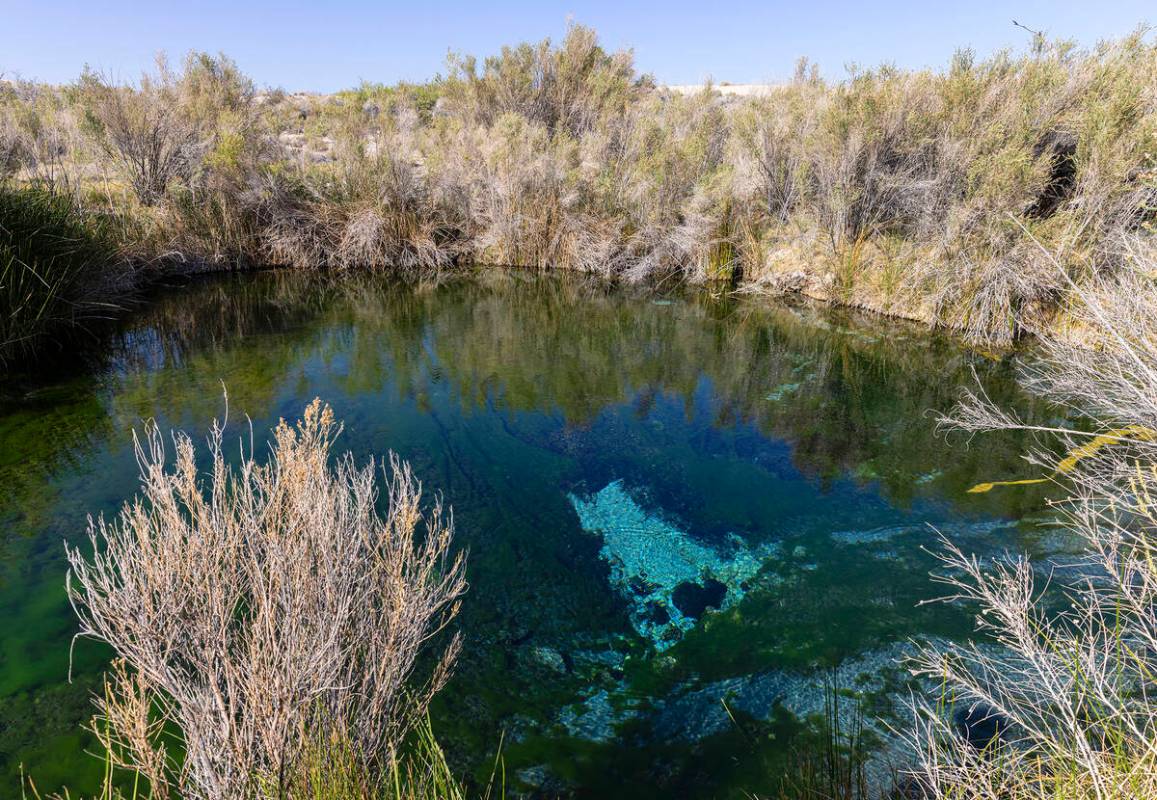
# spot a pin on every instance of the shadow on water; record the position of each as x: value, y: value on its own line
x: 791, y: 449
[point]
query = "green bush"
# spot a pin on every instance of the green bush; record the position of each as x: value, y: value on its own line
x: 52, y: 257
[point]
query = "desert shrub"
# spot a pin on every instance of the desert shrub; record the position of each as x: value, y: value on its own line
x: 140, y: 130
x: 676, y: 189
x: 39, y: 137
x: 963, y: 169
x: 217, y: 210
x: 372, y: 99
x: 520, y: 194
x: 767, y: 141
x: 264, y: 611
x: 172, y: 127
x: 14, y: 152
x: 373, y: 208
x: 571, y: 88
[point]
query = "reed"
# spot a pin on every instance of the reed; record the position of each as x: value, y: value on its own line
x: 54, y: 259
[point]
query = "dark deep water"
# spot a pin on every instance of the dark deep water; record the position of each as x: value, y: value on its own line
x: 668, y: 502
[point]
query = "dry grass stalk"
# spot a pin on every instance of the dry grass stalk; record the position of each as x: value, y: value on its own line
x: 1073, y: 681
x: 264, y: 608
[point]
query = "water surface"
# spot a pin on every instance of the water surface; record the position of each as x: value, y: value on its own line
x: 669, y: 501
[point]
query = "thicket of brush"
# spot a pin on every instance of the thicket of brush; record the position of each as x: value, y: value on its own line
x: 913, y: 193
x: 267, y: 624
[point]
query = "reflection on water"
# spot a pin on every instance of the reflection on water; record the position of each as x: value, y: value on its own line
x: 666, y: 503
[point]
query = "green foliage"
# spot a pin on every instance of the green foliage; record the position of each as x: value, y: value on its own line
x: 573, y: 87
x: 327, y: 771
x: 51, y: 255
x: 375, y: 98
x: 173, y: 128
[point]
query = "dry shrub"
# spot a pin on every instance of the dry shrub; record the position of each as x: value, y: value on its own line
x: 39, y: 137
x: 1072, y: 676
x: 374, y: 208
x: 141, y: 131
x: 768, y: 134
x: 173, y: 127
x: 572, y: 88
x: 969, y: 166
x: 265, y: 610
x: 521, y: 202
x: 911, y: 192
x: 924, y: 187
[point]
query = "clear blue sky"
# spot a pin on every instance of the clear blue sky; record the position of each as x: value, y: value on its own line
x: 324, y: 46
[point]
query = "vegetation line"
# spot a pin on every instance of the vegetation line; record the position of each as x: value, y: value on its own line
x: 936, y: 195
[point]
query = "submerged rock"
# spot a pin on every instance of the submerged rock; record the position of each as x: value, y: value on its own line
x: 668, y: 577
x: 606, y: 663
x: 877, y: 677
x: 784, y: 389
x: 549, y: 658
x: 695, y: 714
x: 540, y: 778
x: 693, y: 600
x: 597, y: 717
x: 952, y: 530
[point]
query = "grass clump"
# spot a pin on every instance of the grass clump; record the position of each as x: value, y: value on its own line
x: 53, y: 260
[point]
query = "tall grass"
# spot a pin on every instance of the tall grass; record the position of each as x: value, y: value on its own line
x: 326, y: 772
x: 834, y: 767
x: 53, y: 260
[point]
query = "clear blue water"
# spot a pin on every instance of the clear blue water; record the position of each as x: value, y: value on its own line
x: 668, y: 501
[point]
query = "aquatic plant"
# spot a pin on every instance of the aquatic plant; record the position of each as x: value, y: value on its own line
x: 835, y: 767
x: 266, y: 615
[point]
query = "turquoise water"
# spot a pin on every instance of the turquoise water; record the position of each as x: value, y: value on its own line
x: 668, y: 502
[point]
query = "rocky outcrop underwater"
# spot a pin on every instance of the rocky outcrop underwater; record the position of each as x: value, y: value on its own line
x: 668, y: 578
